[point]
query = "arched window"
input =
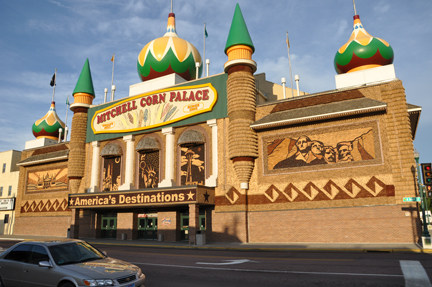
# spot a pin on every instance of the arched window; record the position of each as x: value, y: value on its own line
x: 112, y: 165
x: 192, y: 158
x: 148, y: 161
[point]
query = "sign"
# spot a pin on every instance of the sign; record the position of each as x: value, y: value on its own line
x: 186, y: 195
x: 7, y: 204
x: 405, y: 199
x: 155, y: 109
x: 146, y: 215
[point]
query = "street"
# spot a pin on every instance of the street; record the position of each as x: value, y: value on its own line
x: 192, y: 267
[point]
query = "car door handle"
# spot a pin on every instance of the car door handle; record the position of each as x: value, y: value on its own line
x: 26, y: 270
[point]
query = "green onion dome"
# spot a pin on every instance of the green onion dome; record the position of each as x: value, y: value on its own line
x: 169, y: 54
x: 49, y: 125
x: 362, y: 51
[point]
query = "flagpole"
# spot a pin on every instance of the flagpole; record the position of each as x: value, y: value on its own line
x: 289, y: 60
x: 55, y: 76
x: 355, y: 11
x: 112, y: 78
x: 66, y: 129
x: 204, y: 42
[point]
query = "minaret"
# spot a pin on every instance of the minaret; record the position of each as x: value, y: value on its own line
x: 362, y: 51
x: 169, y: 54
x: 48, y: 126
x: 241, y: 91
x: 83, y: 98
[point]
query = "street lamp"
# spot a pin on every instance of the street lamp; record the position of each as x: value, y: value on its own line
x: 420, y: 186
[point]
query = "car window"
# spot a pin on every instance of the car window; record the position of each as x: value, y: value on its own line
x: 38, y: 254
x: 19, y: 253
x: 74, y: 253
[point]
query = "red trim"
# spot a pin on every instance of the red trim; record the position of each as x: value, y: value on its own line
x: 356, y: 17
x: 171, y: 15
x: 243, y: 158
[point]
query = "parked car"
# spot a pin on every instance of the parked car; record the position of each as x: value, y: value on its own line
x: 64, y: 263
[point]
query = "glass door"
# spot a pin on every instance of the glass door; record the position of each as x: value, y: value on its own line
x: 147, y: 228
x: 109, y: 227
x: 184, y: 226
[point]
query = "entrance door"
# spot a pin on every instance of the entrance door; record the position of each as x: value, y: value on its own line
x: 147, y: 228
x: 109, y: 227
x: 184, y: 226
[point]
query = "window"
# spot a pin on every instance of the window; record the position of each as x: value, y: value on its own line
x: 112, y: 163
x: 192, y: 162
x: 1, y: 190
x: 4, y: 168
x: 148, y: 162
x: 38, y: 254
x: 10, y: 190
x: 20, y: 253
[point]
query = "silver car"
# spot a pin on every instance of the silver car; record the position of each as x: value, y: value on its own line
x: 64, y: 263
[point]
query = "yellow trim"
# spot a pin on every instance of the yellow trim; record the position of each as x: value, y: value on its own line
x: 239, y: 52
x: 210, y: 108
x: 364, y: 67
x: 48, y: 137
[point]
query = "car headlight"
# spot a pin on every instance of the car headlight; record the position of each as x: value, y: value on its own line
x: 99, y: 282
x: 140, y: 274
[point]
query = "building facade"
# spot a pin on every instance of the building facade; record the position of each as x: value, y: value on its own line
x: 8, y: 189
x: 229, y: 157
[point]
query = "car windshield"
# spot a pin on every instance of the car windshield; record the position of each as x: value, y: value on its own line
x: 75, y: 252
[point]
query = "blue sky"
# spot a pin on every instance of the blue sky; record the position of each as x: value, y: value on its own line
x: 38, y: 36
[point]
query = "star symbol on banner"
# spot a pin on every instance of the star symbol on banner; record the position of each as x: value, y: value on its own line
x: 190, y: 195
x: 71, y: 201
x: 206, y: 197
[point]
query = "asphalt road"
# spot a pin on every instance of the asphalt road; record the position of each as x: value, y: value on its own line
x: 208, y: 268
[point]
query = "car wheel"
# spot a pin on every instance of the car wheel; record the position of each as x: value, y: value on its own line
x: 67, y: 284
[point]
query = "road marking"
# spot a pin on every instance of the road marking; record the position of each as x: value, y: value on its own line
x: 231, y: 262
x: 265, y: 271
x: 414, y: 274
x: 218, y: 256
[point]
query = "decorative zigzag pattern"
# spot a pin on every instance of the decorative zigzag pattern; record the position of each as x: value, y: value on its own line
x: 48, y: 206
x: 311, y: 192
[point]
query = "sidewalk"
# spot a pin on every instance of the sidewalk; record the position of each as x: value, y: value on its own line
x: 238, y: 246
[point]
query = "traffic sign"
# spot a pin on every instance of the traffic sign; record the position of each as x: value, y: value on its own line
x: 412, y: 199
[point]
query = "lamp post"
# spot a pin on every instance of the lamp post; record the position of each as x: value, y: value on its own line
x: 425, y: 229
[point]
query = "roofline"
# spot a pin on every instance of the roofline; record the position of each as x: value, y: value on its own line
x: 43, y: 161
x: 319, y: 117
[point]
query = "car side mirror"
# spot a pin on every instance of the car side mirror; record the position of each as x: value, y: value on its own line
x: 45, y: 264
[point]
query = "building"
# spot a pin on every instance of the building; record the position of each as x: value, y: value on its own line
x: 185, y: 156
x: 8, y: 189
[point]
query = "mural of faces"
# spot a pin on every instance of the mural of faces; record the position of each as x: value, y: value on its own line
x: 305, y: 150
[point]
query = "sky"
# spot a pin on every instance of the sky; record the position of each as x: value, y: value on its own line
x: 37, y: 37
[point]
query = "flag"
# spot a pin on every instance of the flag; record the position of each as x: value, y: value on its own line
x: 67, y: 101
x: 112, y: 58
x: 205, y: 32
x: 287, y: 40
x: 53, y: 80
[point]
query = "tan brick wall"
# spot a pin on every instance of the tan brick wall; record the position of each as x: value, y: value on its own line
x: 372, y: 224
x: 170, y: 232
x: 227, y: 227
x: 47, y: 226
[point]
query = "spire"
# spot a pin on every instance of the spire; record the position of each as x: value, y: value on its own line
x: 85, y: 82
x: 238, y: 34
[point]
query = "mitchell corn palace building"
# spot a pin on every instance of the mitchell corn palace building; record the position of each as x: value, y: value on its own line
x: 185, y: 156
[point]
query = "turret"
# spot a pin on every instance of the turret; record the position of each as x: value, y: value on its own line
x: 241, y: 91
x: 83, y: 97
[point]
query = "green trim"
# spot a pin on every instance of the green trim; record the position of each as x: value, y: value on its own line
x: 363, y: 52
x: 238, y: 34
x: 85, y: 82
x: 169, y: 60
